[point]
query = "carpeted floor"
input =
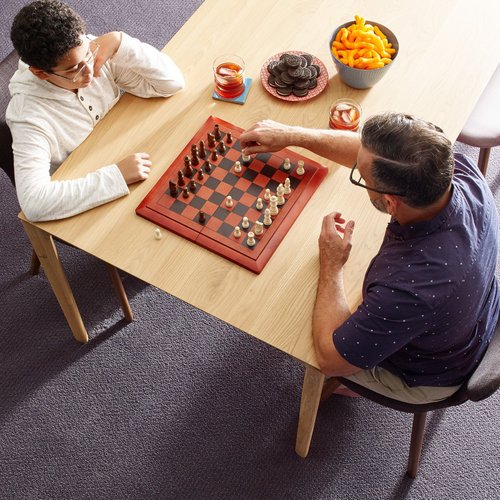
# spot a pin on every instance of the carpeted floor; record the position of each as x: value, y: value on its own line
x: 179, y: 405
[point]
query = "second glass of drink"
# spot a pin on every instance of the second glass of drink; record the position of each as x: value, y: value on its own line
x: 229, y: 76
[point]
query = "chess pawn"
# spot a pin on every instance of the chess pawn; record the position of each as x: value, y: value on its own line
x: 192, y: 186
x: 273, y: 205
x: 287, y: 165
x: 246, y: 159
x: 221, y: 148
x: 200, y: 175
x: 214, y: 155
x: 229, y: 138
x: 259, y: 205
x: 188, y: 169
x: 210, y: 140
x: 158, y: 234
x: 251, y: 239
x: 288, y: 188
x: 201, y: 217
x: 194, y: 160
x: 267, y: 195
x: 208, y: 167
x: 280, y: 191
x: 258, y: 228
x: 245, y: 224
x: 237, y: 167
x: 229, y: 201
x: 267, y: 217
x: 237, y: 232
x: 185, y: 192
x: 300, y: 168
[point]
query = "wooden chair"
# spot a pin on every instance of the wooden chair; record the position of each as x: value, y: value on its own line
x: 482, y: 129
x: 482, y: 384
x: 7, y: 68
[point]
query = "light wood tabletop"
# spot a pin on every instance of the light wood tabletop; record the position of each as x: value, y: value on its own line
x: 438, y: 75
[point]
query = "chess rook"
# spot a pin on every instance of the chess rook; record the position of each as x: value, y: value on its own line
x: 201, y: 217
x: 251, y: 239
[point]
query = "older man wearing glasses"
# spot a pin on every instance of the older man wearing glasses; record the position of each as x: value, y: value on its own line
x: 66, y: 83
x: 430, y: 297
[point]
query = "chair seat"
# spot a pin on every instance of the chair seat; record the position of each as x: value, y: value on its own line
x: 482, y: 129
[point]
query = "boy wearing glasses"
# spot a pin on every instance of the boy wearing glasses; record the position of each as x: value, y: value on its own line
x: 430, y: 296
x: 66, y: 83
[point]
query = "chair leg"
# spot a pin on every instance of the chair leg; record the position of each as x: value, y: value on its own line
x: 484, y: 157
x: 35, y: 264
x: 329, y: 388
x: 417, y: 438
x: 120, y: 291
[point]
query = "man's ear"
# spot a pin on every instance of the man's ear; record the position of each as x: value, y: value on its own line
x: 391, y: 203
x: 39, y: 73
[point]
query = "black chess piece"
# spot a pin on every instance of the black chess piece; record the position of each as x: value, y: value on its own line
x: 180, y: 178
x: 217, y: 133
x: 208, y: 167
x: 185, y: 193
x: 202, y: 152
x: 221, y: 148
x: 214, y: 155
x: 192, y: 186
x: 200, y: 175
x: 229, y: 138
x: 188, y: 170
x: 210, y: 140
x: 201, y: 217
x: 173, y: 188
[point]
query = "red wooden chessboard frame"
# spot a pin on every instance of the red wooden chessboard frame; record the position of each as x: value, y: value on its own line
x: 159, y: 206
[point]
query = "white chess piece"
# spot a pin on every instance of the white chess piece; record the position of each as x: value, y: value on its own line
x: 267, y: 217
x: 273, y: 205
x: 251, y: 239
x: 280, y: 191
x: 244, y: 223
x: 259, y: 205
x: 267, y: 194
x: 300, y: 167
x: 237, y: 167
x: 158, y: 234
x: 288, y: 189
x: 229, y: 201
x: 287, y: 165
x: 237, y: 232
x: 259, y: 227
x: 246, y: 158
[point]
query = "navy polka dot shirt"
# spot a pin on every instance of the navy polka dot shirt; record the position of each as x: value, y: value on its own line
x: 430, y: 297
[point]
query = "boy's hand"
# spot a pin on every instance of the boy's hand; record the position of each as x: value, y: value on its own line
x: 135, y: 168
x: 108, y: 45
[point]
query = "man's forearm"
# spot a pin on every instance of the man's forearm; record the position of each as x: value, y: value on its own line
x: 340, y: 146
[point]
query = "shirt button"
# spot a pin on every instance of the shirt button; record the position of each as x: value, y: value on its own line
x: 97, y: 117
x: 90, y: 108
x: 81, y: 98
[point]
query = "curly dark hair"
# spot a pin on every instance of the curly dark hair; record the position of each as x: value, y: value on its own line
x: 44, y: 31
x: 412, y: 156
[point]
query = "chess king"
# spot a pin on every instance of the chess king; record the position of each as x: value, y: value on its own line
x: 66, y: 83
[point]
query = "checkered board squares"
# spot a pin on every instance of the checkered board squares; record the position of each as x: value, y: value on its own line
x: 264, y: 171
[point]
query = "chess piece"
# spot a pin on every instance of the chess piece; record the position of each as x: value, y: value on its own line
x: 280, y: 191
x: 288, y: 188
x: 246, y: 159
x: 202, y: 153
x: 201, y: 217
x: 185, y: 192
x: 214, y: 155
x: 188, y: 169
x: 245, y: 224
x: 158, y: 234
x: 237, y: 232
x: 267, y: 217
x: 251, y: 239
x: 208, y: 167
x: 287, y: 165
x: 217, y: 133
x: 229, y: 138
x: 267, y: 194
x: 210, y: 140
x: 221, y: 148
x: 237, y: 167
x: 194, y: 158
x: 180, y: 178
x: 192, y: 186
x: 194, y: 149
x: 273, y: 205
x: 229, y: 201
x: 300, y: 168
x: 259, y: 227
x: 259, y: 205
x: 200, y: 175
x: 172, y: 186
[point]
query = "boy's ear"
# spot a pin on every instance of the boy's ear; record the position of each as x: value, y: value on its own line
x: 39, y: 73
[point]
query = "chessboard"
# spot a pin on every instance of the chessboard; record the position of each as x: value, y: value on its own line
x: 194, y: 205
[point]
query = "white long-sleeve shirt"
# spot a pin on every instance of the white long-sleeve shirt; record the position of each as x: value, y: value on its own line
x: 48, y: 123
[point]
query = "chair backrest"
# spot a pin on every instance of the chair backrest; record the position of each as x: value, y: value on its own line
x: 7, y: 68
x: 486, y: 378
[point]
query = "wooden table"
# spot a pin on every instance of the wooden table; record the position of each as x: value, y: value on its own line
x: 439, y: 74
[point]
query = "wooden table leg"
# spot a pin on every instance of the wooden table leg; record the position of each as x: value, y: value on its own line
x: 43, y: 244
x: 311, y: 394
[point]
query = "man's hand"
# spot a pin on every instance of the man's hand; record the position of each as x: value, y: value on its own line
x: 135, y: 168
x: 335, y: 242
x: 108, y: 45
x: 266, y: 136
